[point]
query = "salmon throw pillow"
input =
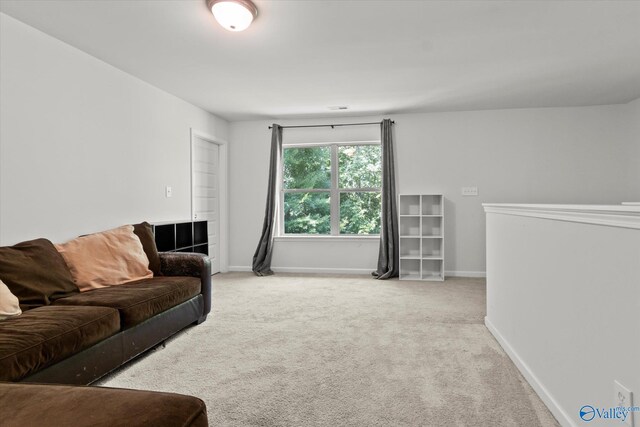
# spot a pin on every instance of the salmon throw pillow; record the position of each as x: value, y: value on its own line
x: 109, y: 258
x: 9, y: 305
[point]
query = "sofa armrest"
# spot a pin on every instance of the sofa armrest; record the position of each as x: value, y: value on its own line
x: 189, y: 264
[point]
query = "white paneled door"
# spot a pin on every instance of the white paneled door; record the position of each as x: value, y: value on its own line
x: 206, y: 193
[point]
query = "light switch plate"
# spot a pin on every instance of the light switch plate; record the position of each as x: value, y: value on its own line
x: 168, y: 192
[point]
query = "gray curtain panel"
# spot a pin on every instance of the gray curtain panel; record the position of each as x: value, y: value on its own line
x: 389, y: 256
x: 262, y: 257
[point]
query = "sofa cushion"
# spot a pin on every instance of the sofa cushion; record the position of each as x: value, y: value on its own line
x: 36, y: 273
x: 46, y: 335
x: 62, y: 405
x: 108, y: 258
x: 145, y: 234
x: 9, y: 304
x: 141, y: 300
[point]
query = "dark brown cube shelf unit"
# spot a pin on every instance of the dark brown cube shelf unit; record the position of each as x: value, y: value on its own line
x: 183, y: 236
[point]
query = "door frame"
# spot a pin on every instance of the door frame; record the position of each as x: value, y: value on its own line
x: 223, y: 161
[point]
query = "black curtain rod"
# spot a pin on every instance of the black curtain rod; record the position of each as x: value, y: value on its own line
x: 331, y: 126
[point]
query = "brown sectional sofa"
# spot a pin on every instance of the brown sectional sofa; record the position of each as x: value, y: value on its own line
x: 59, y: 405
x: 79, y: 338
x: 71, y: 339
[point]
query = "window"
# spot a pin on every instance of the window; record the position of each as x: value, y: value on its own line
x: 331, y: 189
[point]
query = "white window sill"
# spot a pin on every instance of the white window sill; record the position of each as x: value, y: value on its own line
x: 300, y: 238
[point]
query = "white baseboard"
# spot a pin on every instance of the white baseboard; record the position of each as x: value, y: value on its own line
x: 233, y: 268
x: 465, y: 273
x: 563, y: 418
x: 323, y: 270
x: 348, y: 271
x: 308, y: 270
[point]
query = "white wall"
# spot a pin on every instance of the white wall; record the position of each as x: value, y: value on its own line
x: 551, y: 155
x: 248, y: 169
x: 634, y: 119
x: 85, y: 146
x: 563, y: 300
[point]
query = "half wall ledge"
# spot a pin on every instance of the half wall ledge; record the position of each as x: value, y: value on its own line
x: 623, y: 216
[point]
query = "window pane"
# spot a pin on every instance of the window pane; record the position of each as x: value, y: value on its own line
x: 307, y: 168
x: 307, y: 213
x: 360, y: 213
x: 359, y: 166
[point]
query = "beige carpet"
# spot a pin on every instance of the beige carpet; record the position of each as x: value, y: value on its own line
x: 293, y: 350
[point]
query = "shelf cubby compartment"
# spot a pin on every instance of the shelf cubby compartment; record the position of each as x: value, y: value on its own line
x: 431, y: 204
x: 182, y: 236
x: 410, y: 226
x: 200, y: 233
x: 165, y: 237
x: 202, y: 249
x: 410, y: 269
x: 410, y: 247
x: 432, y: 248
x: 432, y: 269
x: 410, y: 205
x: 431, y: 226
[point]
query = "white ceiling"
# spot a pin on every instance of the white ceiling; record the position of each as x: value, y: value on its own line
x: 377, y: 57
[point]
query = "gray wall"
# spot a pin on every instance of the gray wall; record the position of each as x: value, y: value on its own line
x: 550, y: 155
x: 634, y: 119
x: 85, y: 146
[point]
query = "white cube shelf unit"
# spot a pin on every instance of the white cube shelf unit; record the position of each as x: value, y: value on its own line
x: 421, y: 225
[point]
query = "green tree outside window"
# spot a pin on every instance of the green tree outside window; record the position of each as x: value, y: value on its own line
x: 309, y: 189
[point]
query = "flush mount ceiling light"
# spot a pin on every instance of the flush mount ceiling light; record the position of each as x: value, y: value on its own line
x: 233, y: 15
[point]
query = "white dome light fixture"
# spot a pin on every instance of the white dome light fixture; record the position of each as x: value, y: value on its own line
x: 233, y: 15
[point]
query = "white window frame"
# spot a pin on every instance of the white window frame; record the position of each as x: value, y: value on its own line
x: 334, y: 193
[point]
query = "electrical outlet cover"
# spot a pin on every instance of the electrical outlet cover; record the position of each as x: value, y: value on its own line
x: 469, y: 191
x: 623, y: 397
